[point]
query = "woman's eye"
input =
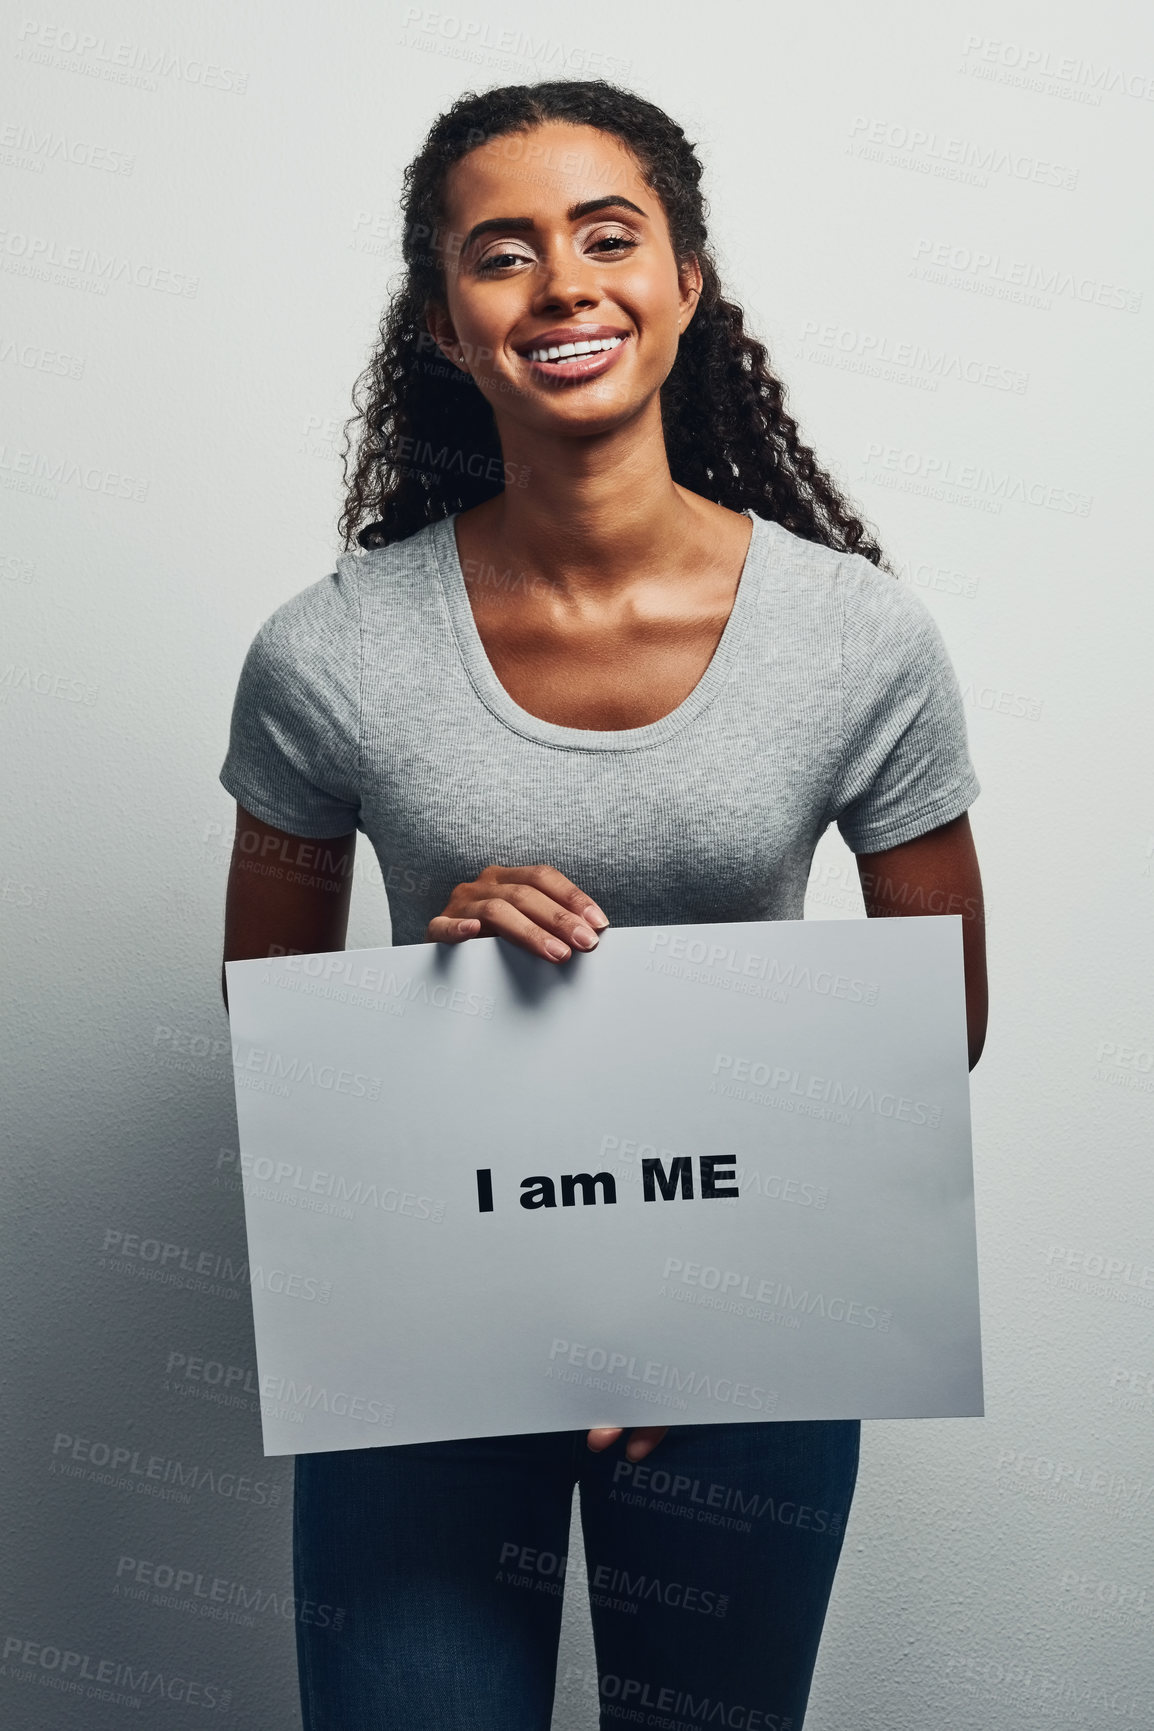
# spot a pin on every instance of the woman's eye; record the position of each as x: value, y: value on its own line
x: 497, y: 260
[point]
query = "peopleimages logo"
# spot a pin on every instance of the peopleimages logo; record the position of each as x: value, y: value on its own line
x: 967, y: 482
x: 304, y: 1073
x: 993, y: 272
x: 383, y: 982
x: 827, y: 1090
x: 123, y: 61
x: 38, y: 148
x: 39, y: 253
x: 172, y: 1263
x: 163, y: 1583
x: 717, y: 1500
x: 751, y: 964
x: 777, y: 1294
x: 90, y: 1675
x: 131, y: 1464
x: 278, y: 1179
x: 928, y: 152
x: 876, y: 350
x: 624, y: 1369
x: 1035, y: 68
x: 281, y: 1395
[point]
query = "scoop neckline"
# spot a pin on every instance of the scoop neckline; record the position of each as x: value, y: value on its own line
x: 497, y: 700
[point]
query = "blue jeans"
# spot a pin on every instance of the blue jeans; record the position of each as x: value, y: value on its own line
x: 429, y: 1578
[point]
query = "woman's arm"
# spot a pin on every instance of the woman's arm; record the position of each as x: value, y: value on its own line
x: 285, y: 892
x: 937, y: 873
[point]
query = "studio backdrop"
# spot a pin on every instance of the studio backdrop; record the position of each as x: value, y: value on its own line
x: 937, y: 220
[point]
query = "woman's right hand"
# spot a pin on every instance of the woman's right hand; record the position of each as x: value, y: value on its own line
x: 534, y: 906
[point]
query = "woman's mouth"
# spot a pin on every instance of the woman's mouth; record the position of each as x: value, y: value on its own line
x: 580, y: 360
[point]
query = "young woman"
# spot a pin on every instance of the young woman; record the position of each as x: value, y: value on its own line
x: 610, y: 647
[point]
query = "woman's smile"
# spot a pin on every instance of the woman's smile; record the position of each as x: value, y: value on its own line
x: 573, y: 360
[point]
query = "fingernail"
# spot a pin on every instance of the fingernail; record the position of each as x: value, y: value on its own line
x: 584, y: 938
x: 556, y: 948
x: 595, y: 917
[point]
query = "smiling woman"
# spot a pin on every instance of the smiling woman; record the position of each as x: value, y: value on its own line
x: 615, y: 647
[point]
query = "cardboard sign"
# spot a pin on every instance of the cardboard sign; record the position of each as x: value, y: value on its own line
x: 704, y: 1174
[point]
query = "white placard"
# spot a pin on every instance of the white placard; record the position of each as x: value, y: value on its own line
x: 729, y: 1168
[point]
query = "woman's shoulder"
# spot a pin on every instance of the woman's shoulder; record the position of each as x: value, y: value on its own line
x: 330, y: 602
x: 819, y: 586
x: 312, y: 643
x: 312, y: 627
x: 813, y: 559
x: 389, y: 582
x: 847, y: 583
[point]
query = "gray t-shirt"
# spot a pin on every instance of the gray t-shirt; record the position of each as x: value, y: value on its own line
x: 367, y: 702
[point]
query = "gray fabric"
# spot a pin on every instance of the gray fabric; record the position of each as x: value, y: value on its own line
x: 367, y: 702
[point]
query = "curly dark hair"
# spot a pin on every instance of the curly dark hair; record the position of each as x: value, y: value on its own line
x: 728, y: 434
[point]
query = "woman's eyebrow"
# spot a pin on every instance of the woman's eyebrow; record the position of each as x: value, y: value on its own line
x: 574, y: 211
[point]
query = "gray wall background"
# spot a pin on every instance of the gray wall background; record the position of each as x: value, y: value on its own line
x: 936, y: 218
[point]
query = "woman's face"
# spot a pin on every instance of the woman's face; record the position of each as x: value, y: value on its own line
x: 530, y: 263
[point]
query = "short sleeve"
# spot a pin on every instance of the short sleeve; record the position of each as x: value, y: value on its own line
x: 905, y: 764
x: 294, y: 742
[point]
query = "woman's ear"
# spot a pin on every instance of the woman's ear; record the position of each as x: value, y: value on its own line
x: 690, y: 278
x: 440, y: 328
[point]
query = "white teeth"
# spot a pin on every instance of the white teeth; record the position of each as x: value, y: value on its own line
x: 566, y: 351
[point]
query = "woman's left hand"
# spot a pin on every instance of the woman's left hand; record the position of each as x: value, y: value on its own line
x: 642, y: 1441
